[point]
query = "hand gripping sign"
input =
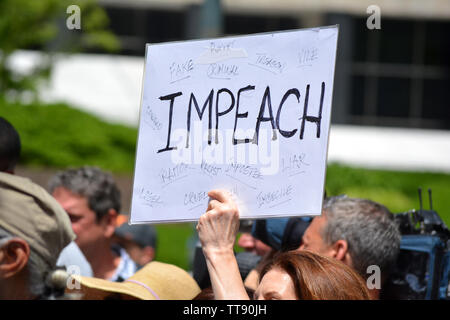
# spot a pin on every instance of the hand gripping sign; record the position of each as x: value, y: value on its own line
x: 250, y: 114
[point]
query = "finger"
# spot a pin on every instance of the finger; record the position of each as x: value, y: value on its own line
x: 211, y: 212
x: 220, y: 195
x: 213, y: 204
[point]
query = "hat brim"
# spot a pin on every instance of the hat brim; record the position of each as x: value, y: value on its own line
x: 156, y: 280
x: 100, y: 289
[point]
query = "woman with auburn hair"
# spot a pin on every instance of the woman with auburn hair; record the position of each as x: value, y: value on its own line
x: 289, y: 276
x: 313, y: 277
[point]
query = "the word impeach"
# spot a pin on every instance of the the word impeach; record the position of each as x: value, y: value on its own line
x: 264, y: 108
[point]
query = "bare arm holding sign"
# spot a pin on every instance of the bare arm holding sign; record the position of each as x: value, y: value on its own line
x: 217, y: 230
x: 290, y: 275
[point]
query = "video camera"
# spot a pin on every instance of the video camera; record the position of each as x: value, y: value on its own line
x: 422, y: 270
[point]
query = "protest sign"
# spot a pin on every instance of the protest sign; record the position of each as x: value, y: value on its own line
x: 249, y: 114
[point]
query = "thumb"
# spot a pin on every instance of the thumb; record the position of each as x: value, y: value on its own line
x: 220, y: 195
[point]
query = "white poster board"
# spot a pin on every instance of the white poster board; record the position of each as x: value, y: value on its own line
x: 249, y: 114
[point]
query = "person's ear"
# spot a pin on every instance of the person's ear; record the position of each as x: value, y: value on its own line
x: 339, y: 250
x: 110, y: 222
x: 13, y: 257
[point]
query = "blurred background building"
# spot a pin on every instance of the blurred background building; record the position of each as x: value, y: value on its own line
x: 396, y: 77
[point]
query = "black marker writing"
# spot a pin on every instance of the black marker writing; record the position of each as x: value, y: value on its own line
x: 240, y: 115
x: 170, y: 97
x: 264, y: 108
x: 221, y: 113
x: 287, y: 134
x: 208, y: 102
x: 266, y: 100
x: 316, y: 120
x: 265, y: 198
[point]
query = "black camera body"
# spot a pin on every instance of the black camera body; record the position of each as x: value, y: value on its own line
x: 422, y: 270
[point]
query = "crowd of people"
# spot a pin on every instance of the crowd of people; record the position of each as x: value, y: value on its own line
x: 72, y: 242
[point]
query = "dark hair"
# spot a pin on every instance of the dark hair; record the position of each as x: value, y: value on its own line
x: 9, y: 146
x: 97, y: 186
x: 319, y: 278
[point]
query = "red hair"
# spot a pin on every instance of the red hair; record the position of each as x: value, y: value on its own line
x: 316, y: 277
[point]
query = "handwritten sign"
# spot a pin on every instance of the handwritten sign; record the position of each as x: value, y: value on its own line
x: 249, y: 114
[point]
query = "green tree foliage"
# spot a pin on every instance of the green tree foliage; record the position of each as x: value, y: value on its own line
x: 41, y: 25
x: 56, y: 135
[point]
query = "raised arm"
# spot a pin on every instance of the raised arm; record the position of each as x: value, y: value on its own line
x: 217, y: 230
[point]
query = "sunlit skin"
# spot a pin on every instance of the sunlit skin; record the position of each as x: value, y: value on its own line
x: 276, y: 285
x: 93, y: 237
x: 312, y: 238
x: 82, y: 218
x: 14, y: 256
x: 253, y: 245
x: 140, y: 255
x: 313, y: 241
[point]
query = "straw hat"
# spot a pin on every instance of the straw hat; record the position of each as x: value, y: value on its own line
x: 155, y: 281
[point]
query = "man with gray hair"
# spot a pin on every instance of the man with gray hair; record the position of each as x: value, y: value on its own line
x: 92, y: 201
x: 359, y: 232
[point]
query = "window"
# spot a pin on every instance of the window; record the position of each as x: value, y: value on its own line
x: 400, y: 74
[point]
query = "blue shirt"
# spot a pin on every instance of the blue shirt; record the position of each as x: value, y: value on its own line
x: 71, y: 256
x: 126, y: 267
